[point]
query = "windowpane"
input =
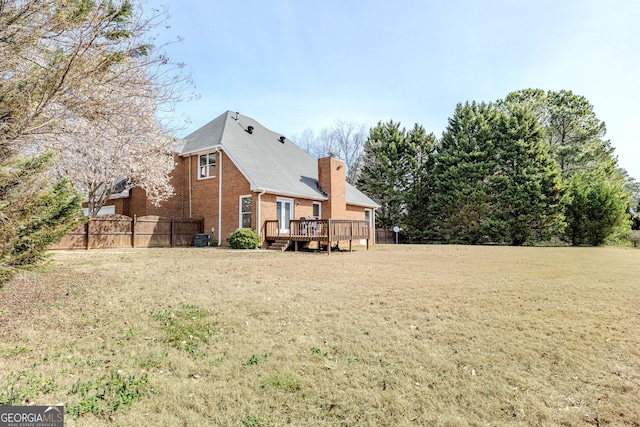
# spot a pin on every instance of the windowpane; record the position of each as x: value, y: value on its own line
x: 287, y: 213
x: 245, y: 212
x: 246, y: 220
x: 207, y: 164
x: 279, y: 212
x: 316, y: 210
x: 246, y: 204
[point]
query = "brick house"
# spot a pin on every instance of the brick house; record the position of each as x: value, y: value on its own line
x: 234, y: 173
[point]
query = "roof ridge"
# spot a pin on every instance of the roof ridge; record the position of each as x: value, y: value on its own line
x: 224, y: 125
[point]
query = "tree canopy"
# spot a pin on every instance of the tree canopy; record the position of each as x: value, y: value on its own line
x: 534, y: 167
x: 84, y: 80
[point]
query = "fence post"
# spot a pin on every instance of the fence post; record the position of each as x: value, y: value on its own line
x: 87, y: 233
x: 133, y: 230
x: 172, y: 231
x: 329, y: 237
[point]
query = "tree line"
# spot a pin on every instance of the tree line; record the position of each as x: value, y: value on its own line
x: 532, y: 168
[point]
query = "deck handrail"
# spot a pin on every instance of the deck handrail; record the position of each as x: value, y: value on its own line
x: 319, y: 229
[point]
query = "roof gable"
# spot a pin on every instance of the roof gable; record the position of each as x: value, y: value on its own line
x: 268, y: 160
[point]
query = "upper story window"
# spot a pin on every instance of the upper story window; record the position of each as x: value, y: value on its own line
x: 207, y: 165
x: 317, y: 210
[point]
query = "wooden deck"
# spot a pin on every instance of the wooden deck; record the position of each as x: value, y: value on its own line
x: 319, y: 230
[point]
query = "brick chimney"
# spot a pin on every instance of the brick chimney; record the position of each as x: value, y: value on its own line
x: 332, y: 180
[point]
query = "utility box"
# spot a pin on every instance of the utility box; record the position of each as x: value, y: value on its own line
x: 201, y: 240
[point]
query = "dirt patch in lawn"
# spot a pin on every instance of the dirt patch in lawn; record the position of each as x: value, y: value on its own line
x: 397, y: 335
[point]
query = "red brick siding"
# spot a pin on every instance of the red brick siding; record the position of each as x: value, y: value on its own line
x: 204, y: 195
x: 301, y: 207
x: 173, y: 207
x: 234, y: 185
x: 205, y: 200
x: 331, y: 179
x: 354, y: 212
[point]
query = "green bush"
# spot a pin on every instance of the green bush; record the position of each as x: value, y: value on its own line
x: 244, y: 238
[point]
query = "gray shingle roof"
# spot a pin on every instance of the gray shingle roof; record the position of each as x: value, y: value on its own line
x: 268, y: 164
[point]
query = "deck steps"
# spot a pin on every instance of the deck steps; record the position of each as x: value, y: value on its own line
x: 280, y: 245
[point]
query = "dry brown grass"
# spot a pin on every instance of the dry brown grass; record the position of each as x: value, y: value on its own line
x: 397, y: 335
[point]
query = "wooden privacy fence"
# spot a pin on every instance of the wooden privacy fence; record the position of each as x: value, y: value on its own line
x: 120, y: 231
x: 385, y: 236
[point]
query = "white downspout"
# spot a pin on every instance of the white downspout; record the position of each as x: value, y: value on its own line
x: 374, y: 212
x: 260, y: 212
x: 220, y: 200
x: 190, y: 199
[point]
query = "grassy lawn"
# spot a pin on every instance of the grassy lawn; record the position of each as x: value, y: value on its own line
x: 393, y: 336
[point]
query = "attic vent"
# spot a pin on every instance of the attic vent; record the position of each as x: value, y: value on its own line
x: 237, y: 116
x: 250, y: 129
x: 282, y: 138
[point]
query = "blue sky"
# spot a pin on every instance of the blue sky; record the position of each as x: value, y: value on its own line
x: 298, y: 64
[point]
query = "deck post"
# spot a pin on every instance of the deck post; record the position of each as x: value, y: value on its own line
x: 329, y: 236
x: 351, y: 239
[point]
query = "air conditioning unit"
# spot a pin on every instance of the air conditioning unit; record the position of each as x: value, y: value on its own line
x: 201, y: 240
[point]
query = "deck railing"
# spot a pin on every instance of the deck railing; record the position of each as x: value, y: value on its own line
x: 321, y: 230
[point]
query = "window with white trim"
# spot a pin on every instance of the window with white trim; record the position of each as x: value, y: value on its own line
x: 367, y: 215
x: 207, y: 165
x: 245, y: 211
x: 317, y: 210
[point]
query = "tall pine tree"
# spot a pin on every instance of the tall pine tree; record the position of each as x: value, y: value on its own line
x: 382, y: 175
x: 419, y: 161
x: 526, y: 182
x: 462, y: 197
x: 572, y: 131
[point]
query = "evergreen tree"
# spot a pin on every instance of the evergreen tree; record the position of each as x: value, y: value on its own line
x: 572, y: 131
x: 596, y: 207
x: 526, y: 182
x: 35, y: 213
x: 382, y: 175
x: 419, y: 161
x: 462, y: 198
